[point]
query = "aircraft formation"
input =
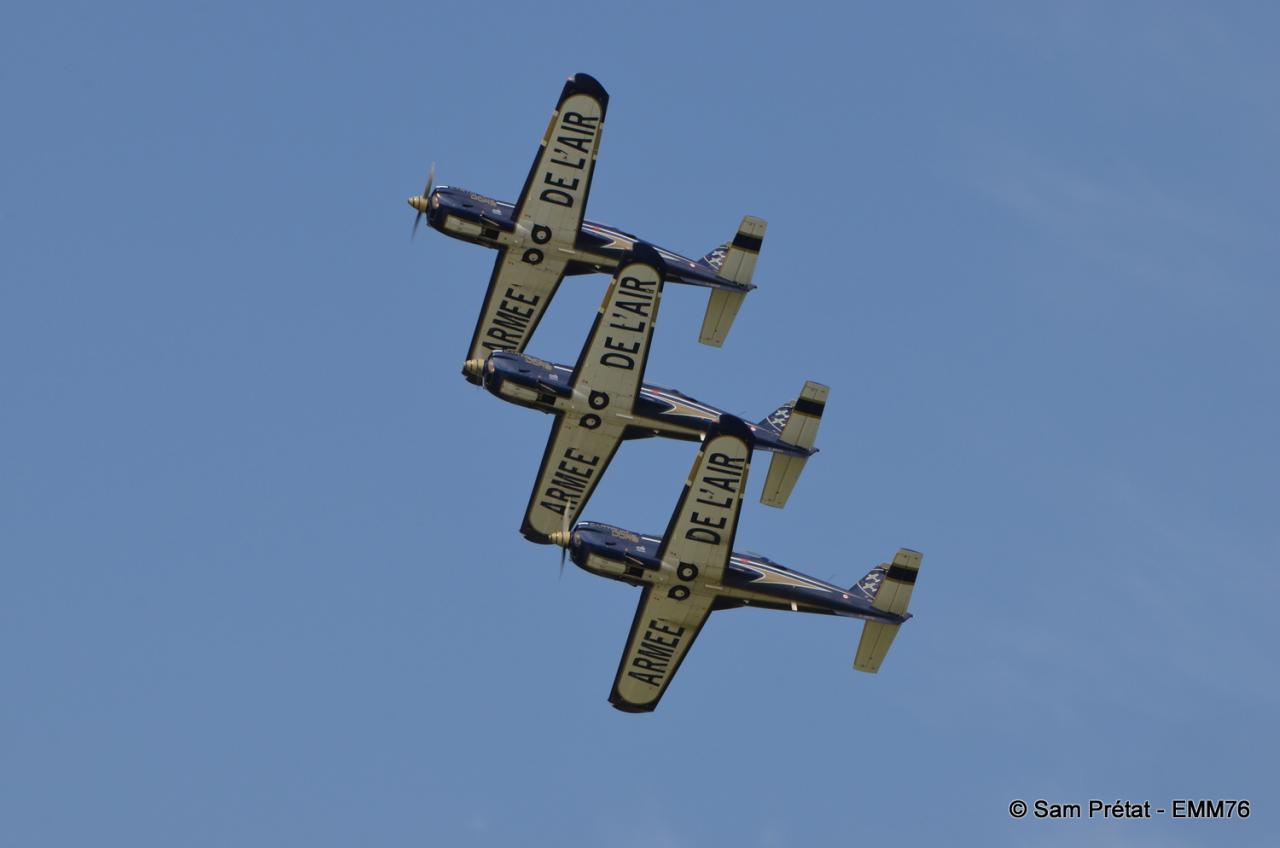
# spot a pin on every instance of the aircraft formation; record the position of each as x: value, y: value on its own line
x: 691, y: 570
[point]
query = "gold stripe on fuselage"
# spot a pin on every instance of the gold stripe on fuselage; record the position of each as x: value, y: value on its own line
x: 769, y: 576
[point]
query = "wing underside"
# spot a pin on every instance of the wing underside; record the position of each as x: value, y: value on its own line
x: 548, y: 216
x: 555, y: 191
x: 694, y: 554
x: 662, y: 633
x: 515, y: 302
x: 611, y: 367
x: 705, y: 521
x: 608, y: 375
x: 575, y: 459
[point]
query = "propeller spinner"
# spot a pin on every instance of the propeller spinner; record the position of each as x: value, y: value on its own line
x: 562, y: 537
x: 423, y: 202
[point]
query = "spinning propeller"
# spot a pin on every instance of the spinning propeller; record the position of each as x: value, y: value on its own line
x: 423, y: 202
x: 562, y: 538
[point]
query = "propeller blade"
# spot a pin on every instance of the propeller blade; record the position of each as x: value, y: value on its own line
x: 426, y: 199
x: 564, y: 551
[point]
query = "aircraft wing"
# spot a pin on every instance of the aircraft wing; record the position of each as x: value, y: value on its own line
x: 518, y: 295
x: 694, y: 553
x: 661, y: 636
x: 608, y: 375
x: 555, y: 192
x: 547, y: 215
x: 705, y: 522
x: 611, y: 366
x: 575, y: 460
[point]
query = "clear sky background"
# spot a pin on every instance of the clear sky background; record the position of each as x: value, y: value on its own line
x: 260, y: 576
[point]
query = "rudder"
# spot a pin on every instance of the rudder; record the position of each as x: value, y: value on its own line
x: 740, y: 259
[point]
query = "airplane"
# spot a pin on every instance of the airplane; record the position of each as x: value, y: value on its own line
x: 692, y: 571
x: 602, y: 401
x: 543, y: 237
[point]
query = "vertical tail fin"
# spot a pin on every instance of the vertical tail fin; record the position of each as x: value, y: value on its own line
x: 735, y: 262
x: 796, y: 424
x: 716, y: 257
x: 740, y: 258
x: 889, y: 588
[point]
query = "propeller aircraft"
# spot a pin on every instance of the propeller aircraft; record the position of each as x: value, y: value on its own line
x: 692, y: 570
x: 543, y: 236
x: 602, y: 401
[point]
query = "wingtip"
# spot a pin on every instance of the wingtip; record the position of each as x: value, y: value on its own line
x: 620, y: 705
x: 535, y: 536
x: 588, y: 84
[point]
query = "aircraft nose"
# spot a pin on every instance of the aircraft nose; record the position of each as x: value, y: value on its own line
x: 419, y: 202
x: 561, y: 538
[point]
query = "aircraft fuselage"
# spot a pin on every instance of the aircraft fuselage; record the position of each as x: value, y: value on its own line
x: 596, y: 247
x: 531, y: 382
x: 750, y: 580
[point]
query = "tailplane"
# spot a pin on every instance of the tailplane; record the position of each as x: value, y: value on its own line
x: 888, y: 588
x: 796, y: 424
x: 734, y: 261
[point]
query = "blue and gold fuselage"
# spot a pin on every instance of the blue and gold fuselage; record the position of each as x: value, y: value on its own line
x: 535, y: 383
x: 482, y: 220
x: 749, y: 579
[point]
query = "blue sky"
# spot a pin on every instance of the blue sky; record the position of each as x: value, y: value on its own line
x: 262, y: 583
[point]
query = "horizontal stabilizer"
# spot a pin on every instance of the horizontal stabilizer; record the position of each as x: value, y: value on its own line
x: 722, y: 308
x: 784, y: 471
x: 877, y: 638
x: 891, y: 594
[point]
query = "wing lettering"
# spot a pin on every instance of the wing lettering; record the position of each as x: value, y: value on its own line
x: 576, y: 457
x: 548, y: 215
x: 661, y: 635
x: 694, y: 553
x: 611, y: 366
x: 555, y: 192
x: 700, y: 536
x: 514, y: 304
